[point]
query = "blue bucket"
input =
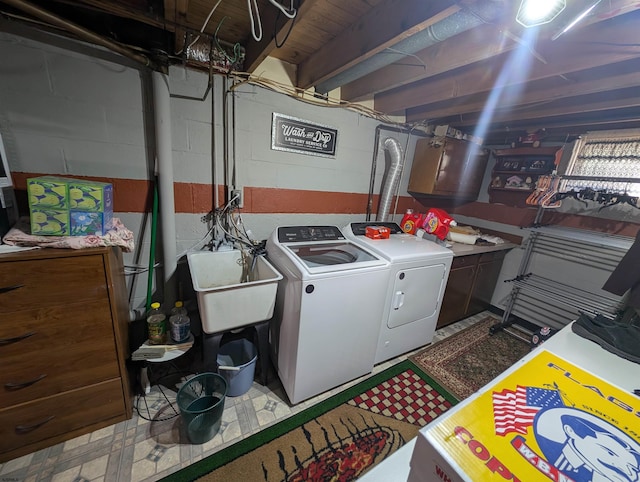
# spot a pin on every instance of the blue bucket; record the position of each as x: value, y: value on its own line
x: 237, y: 364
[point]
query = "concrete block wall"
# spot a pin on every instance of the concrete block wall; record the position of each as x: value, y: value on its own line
x: 63, y: 112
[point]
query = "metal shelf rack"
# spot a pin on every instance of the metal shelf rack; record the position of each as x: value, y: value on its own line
x: 539, y: 293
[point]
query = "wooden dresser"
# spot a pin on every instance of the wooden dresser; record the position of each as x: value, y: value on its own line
x: 63, y: 346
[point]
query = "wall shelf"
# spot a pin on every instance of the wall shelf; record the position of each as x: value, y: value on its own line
x: 519, y: 166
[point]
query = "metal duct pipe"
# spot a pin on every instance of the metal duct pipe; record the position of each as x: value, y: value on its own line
x: 81, y: 32
x: 392, y: 146
x: 483, y: 12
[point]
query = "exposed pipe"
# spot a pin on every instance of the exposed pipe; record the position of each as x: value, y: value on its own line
x: 162, y: 117
x: 465, y: 19
x: 81, y: 32
x: 392, y: 146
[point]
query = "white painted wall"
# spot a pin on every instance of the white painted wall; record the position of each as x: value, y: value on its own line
x: 68, y: 113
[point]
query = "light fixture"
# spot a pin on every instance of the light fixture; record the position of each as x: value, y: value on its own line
x: 537, y: 12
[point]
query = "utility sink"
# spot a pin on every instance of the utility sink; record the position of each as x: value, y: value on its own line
x: 231, y: 294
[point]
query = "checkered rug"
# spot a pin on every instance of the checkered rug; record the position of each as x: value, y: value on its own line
x: 338, y: 439
x: 407, y: 397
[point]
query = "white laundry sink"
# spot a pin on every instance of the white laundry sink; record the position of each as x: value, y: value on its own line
x: 228, y: 299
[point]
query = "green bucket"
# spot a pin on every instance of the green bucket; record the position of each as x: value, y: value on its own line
x: 201, y: 403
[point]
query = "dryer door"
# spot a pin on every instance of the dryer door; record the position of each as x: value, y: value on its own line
x: 416, y: 294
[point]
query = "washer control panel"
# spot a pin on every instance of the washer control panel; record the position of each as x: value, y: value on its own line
x: 296, y: 234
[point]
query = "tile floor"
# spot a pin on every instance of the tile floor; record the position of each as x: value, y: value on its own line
x: 153, y: 443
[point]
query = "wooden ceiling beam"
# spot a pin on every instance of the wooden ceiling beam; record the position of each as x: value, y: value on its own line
x: 468, y: 47
x: 175, y: 11
x: 582, y: 106
x: 385, y: 25
x: 589, y: 48
x: 515, y: 99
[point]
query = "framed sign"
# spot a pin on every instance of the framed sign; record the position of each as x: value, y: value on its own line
x: 295, y: 135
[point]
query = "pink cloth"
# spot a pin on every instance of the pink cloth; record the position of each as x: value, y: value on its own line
x: 118, y: 235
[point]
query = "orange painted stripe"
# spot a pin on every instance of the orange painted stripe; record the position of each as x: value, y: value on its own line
x: 135, y: 196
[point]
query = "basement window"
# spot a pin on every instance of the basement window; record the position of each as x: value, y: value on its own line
x: 605, y: 161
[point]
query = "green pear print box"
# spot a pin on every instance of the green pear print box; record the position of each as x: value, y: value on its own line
x: 49, y: 222
x: 48, y: 192
x: 90, y: 196
x: 56, y: 192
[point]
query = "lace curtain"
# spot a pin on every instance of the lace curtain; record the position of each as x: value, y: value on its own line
x: 609, y: 161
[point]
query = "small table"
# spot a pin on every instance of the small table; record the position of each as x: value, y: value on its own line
x: 172, y: 351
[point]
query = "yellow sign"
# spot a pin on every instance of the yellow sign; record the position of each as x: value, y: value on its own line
x: 548, y: 420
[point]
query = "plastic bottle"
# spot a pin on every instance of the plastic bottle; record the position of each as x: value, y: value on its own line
x: 410, y: 222
x: 437, y: 222
x: 157, y: 325
x: 179, y: 323
x: 178, y: 308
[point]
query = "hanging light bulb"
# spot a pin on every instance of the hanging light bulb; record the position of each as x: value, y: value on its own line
x: 537, y: 12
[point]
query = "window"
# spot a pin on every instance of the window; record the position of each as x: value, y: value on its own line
x: 605, y: 161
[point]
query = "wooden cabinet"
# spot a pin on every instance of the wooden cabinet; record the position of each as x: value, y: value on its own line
x: 516, y: 171
x: 487, y: 273
x: 63, y: 346
x: 446, y: 167
x: 459, y: 285
x: 471, y: 283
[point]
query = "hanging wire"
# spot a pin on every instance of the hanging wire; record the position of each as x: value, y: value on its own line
x: 275, y: 28
x: 236, y: 47
x: 406, y: 54
x: 290, y: 13
x: 256, y: 36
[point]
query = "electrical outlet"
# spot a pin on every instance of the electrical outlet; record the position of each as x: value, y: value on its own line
x: 236, y: 194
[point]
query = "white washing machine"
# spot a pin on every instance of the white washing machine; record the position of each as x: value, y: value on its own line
x: 326, y: 321
x: 418, y: 277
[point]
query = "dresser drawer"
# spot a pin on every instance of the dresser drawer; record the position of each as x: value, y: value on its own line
x: 64, y: 347
x: 45, y: 418
x: 28, y: 283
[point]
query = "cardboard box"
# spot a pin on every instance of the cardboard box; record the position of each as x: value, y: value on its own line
x: 87, y: 223
x: 62, y: 206
x: 49, y: 222
x: 377, y: 232
x: 48, y: 192
x: 541, y: 420
x: 90, y: 196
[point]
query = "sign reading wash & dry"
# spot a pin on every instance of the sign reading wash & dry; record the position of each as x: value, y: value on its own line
x: 295, y: 135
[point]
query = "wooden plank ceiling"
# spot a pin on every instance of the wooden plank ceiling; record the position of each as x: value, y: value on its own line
x: 465, y: 63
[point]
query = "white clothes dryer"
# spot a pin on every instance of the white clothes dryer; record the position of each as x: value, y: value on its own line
x: 326, y: 321
x: 419, y: 273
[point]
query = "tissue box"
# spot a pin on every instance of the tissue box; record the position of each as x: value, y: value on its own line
x: 377, y: 232
x: 48, y: 192
x: 49, y: 222
x: 86, y: 223
x: 90, y: 196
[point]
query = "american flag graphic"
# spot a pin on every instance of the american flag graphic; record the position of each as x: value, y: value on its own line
x: 514, y: 410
